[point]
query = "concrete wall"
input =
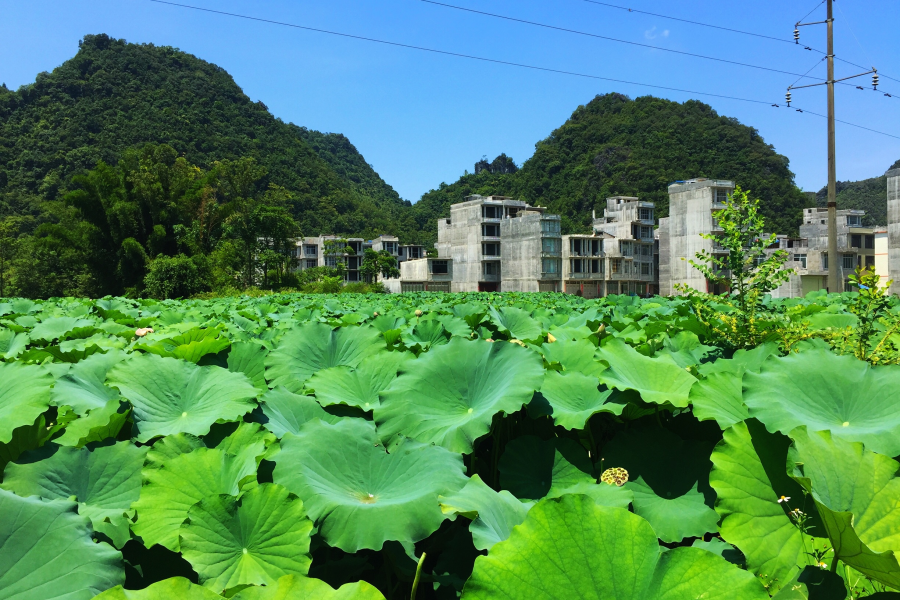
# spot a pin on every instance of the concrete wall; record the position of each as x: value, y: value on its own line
x: 521, y: 262
x: 893, y: 200
x: 691, y: 206
x: 882, y: 265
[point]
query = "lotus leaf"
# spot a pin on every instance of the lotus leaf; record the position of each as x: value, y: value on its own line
x: 192, y: 345
x: 172, y: 396
x: 287, y: 412
x: 46, y: 552
x: 82, y: 387
x: 450, y: 395
x: 658, y: 380
x: 312, y: 347
x: 99, y: 424
x: 358, y: 387
x: 359, y: 495
x: 515, y: 323
x: 532, y: 468
x: 291, y: 587
x: 24, y: 394
x: 104, y: 483
x: 748, y: 477
x: 170, y: 447
x: 493, y: 514
x: 576, y: 355
x: 856, y: 493
x: 250, y: 359
x: 174, y: 588
x: 673, y: 519
x: 573, y: 548
x: 575, y: 398
x: 172, y: 488
x: 841, y: 394
x: 12, y: 344
x: 719, y: 397
x: 57, y: 328
x: 251, y: 541
x: 425, y: 335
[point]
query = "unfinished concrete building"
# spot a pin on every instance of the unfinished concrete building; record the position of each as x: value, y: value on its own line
x: 423, y: 275
x: 332, y: 250
x: 530, y: 260
x: 583, y: 265
x: 629, y: 247
x: 692, y: 207
x: 473, y: 238
x: 893, y: 200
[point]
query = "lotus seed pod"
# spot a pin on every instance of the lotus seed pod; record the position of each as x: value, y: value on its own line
x: 615, y: 476
x: 375, y: 314
x: 602, y: 328
x: 418, y: 313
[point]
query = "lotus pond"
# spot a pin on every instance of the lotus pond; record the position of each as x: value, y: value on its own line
x: 516, y: 446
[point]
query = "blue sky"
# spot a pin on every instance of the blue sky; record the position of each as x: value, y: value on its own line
x: 421, y: 118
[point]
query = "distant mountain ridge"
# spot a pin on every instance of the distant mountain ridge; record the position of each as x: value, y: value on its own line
x: 113, y: 95
x: 618, y: 146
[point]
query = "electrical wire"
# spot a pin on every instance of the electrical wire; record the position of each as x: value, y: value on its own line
x: 611, y: 39
x: 808, y: 72
x: 811, y: 12
x: 496, y: 61
x: 740, y: 31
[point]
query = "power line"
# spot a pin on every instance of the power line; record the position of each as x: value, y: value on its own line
x: 812, y: 11
x: 496, y: 61
x: 732, y: 30
x: 612, y: 39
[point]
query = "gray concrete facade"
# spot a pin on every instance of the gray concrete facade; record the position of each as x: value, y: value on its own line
x: 530, y: 261
x: 630, y: 247
x: 893, y: 200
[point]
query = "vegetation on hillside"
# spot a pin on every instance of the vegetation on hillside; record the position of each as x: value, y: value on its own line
x: 869, y: 195
x: 618, y: 146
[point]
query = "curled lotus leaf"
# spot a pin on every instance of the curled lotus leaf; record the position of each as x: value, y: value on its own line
x: 312, y: 347
x: 359, y: 495
x: 449, y: 395
x: 358, y: 387
x: 658, y: 380
x: 174, y: 396
x: 46, y: 552
x: 24, y: 395
x: 532, y: 468
x: 573, y: 548
x: 840, y: 394
x: 104, y: 482
x: 292, y: 587
x: 286, y: 412
x: 493, y: 514
x: 575, y: 398
x: 251, y: 541
x: 174, y: 486
x: 82, y: 388
x: 515, y: 323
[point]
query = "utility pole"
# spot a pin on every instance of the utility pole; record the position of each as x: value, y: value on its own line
x: 834, y: 282
x: 834, y: 279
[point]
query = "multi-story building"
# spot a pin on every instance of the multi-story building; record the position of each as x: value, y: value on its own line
x: 331, y: 250
x: 893, y: 200
x: 882, y: 265
x: 530, y: 260
x: 473, y: 239
x: 630, y: 248
x: 692, y: 208
x: 583, y: 264
x: 423, y: 275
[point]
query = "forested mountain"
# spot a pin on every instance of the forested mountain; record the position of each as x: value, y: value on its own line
x: 869, y: 195
x: 113, y: 96
x: 618, y: 146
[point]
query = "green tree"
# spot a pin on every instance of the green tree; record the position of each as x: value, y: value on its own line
x: 378, y: 263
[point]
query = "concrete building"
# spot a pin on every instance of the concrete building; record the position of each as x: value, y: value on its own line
x: 692, y: 207
x: 583, y: 265
x: 331, y: 250
x: 629, y: 246
x: 882, y: 266
x: 480, y: 232
x: 423, y: 275
x: 893, y: 200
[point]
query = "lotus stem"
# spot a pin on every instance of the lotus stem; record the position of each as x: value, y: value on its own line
x: 415, y: 585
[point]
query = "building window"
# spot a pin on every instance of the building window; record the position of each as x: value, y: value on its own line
x: 759, y: 259
x: 490, y: 230
x: 856, y: 241
x: 825, y: 261
x: 550, y: 227
x: 391, y: 247
x: 721, y: 196
x: 870, y: 242
x: 854, y: 221
x: 800, y: 258
x: 646, y: 268
x: 870, y: 262
x: 625, y: 248
x: 439, y: 267
x: 646, y: 250
x: 596, y: 266
x: 616, y: 265
x: 330, y: 261
x: 550, y: 245
x: 490, y: 249
x: 310, y: 263
x: 848, y: 261
x: 310, y: 250
x: 645, y: 214
x: 646, y: 232
x: 491, y: 268
x: 576, y: 265
x: 491, y: 212
x: 550, y: 265
x: 415, y: 252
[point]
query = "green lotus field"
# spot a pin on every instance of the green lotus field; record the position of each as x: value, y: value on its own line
x: 474, y: 446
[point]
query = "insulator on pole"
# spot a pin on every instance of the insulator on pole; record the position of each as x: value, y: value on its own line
x: 875, y: 80
x: 787, y: 98
x: 796, y: 36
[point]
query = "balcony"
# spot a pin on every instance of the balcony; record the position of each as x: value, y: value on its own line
x: 490, y: 278
x: 490, y: 257
x: 585, y: 276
